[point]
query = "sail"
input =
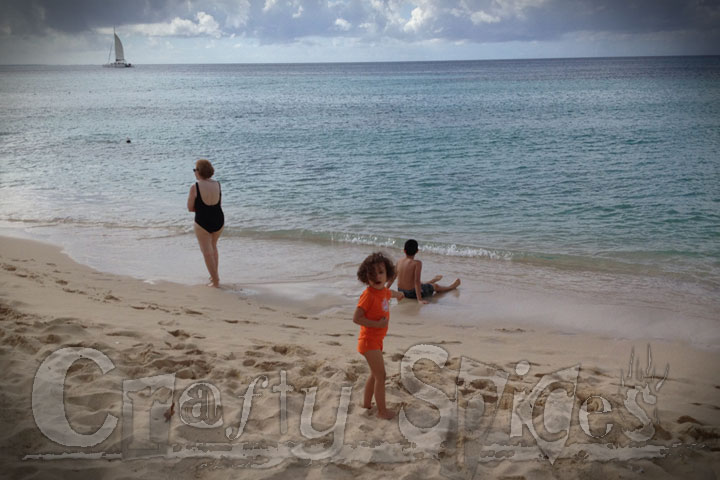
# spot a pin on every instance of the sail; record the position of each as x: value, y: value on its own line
x: 119, y: 53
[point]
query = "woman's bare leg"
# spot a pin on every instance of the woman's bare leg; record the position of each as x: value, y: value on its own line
x: 205, y: 242
x: 216, y: 255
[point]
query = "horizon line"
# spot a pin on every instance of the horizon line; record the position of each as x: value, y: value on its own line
x: 599, y: 57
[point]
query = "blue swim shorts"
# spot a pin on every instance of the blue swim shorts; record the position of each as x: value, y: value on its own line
x: 427, y: 290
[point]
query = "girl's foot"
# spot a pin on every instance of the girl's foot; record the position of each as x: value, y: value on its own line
x: 436, y: 279
x: 386, y: 415
x: 456, y: 283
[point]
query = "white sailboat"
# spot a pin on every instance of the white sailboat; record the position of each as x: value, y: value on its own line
x: 119, y: 55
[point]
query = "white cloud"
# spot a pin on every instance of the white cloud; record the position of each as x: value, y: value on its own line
x: 343, y: 24
x: 515, y: 8
x: 299, y: 12
x: 180, y: 27
x: 238, y: 14
x: 269, y: 4
x: 388, y: 12
x: 481, y: 17
x: 418, y: 19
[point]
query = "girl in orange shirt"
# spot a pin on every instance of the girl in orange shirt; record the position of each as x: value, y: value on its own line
x: 372, y: 314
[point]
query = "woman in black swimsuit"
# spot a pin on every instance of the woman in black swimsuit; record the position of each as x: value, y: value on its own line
x: 204, y: 199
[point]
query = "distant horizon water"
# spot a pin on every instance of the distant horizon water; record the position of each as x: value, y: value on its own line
x: 350, y: 62
x: 585, y: 175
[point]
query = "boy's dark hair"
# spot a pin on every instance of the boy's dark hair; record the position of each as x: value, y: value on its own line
x: 411, y: 247
x: 366, y: 269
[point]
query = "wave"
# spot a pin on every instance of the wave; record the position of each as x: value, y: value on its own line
x: 158, y: 230
x: 676, y: 265
x: 372, y: 240
x: 671, y: 264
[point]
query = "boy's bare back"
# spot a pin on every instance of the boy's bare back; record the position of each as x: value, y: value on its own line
x: 408, y: 269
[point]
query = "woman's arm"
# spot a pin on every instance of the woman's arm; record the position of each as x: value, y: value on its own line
x: 360, y: 319
x: 191, y: 199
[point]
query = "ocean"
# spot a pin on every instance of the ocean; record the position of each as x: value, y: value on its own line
x: 592, y: 182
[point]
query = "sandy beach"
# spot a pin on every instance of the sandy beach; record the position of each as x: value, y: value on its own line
x: 111, y: 377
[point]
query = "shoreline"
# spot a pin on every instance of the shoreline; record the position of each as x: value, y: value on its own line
x: 200, y: 334
x: 318, y: 277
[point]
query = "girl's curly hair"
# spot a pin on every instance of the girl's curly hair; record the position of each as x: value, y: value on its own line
x: 367, y: 267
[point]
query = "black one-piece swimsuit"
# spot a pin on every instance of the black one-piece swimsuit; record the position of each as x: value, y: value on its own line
x: 209, y: 217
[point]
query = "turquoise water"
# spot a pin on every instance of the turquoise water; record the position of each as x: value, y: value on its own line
x: 583, y: 167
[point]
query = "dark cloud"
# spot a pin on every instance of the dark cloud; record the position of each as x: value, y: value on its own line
x: 286, y: 20
x: 77, y: 16
x: 552, y: 19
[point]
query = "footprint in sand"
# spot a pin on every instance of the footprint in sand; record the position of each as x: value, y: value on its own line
x: 688, y: 419
x: 21, y: 342
x: 179, y: 333
x: 285, y: 325
x: 292, y: 350
x: 244, y: 322
x: 510, y: 330
x: 68, y: 326
x: 271, y: 365
x: 351, y: 376
x: 124, y: 333
x: 50, y: 339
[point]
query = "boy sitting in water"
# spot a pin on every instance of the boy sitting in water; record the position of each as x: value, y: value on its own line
x: 408, y: 277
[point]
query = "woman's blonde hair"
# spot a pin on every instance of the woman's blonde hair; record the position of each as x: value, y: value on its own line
x: 204, y: 168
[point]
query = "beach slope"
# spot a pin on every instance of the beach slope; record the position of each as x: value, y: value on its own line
x: 111, y: 377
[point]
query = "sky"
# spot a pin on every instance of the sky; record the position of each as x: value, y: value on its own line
x: 280, y: 31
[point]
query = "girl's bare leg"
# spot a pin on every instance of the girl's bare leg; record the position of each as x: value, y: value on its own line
x: 377, y: 369
x: 369, y: 390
